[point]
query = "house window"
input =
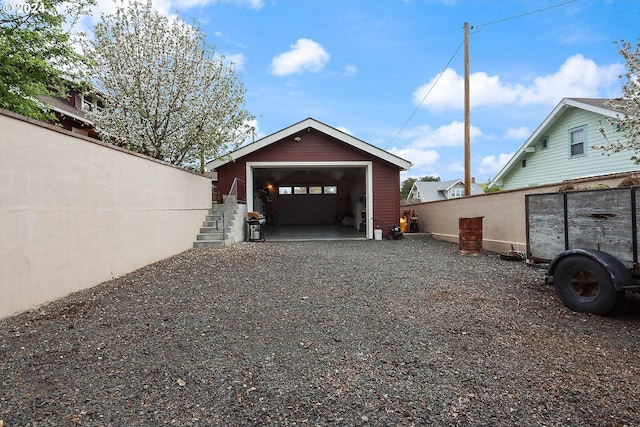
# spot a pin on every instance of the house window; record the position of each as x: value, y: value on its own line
x: 456, y: 192
x: 544, y: 143
x: 524, y: 163
x: 315, y: 189
x: 284, y: 190
x: 90, y: 102
x: 577, y: 142
x: 299, y: 190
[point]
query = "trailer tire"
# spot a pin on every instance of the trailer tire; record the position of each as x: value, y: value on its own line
x: 585, y: 285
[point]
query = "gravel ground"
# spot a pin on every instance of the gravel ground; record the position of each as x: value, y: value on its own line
x: 354, y: 333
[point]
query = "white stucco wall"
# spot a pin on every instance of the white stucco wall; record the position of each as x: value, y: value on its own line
x: 74, y: 213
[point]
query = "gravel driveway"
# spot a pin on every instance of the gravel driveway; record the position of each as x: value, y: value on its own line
x: 359, y: 333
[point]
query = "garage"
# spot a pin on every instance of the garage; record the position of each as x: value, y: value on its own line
x: 313, y: 175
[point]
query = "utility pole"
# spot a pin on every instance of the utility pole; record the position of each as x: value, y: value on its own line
x: 467, y: 119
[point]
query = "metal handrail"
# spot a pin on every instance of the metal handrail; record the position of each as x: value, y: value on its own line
x: 229, y: 206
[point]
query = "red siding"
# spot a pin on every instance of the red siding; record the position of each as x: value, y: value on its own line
x: 386, y: 193
x: 315, y: 146
x: 227, y: 173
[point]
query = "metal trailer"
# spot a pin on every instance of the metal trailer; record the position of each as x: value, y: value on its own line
x: 590, y: 240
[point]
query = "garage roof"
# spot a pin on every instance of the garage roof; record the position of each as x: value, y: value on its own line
x: 319, y: 126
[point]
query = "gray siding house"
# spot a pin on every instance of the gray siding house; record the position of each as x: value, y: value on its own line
x: 429, y: 191
x: 564, y: 146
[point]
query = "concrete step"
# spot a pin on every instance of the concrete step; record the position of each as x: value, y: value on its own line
x: 218, y: 224
x: 219, y: 208
x: 210, y: 236
x: 213, y: 218
x: 214, y: 224
x: 208, y: 244
x: 210, y: 229
x: 211, y: 226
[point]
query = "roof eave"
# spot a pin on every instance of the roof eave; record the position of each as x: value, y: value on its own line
x: 310, y: 123
x: 546, y: 124
x: 73, y: 116
x: 574, y: 102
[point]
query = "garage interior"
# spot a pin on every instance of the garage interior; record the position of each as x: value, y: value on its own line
x: 311, y: 202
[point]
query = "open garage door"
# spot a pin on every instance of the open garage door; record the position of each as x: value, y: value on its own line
x: 311, y: 194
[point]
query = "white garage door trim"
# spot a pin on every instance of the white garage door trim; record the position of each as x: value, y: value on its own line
x: 368, y: 165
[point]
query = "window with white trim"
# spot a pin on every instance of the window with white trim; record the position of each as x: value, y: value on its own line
x: 454, y: 193
x: 91, y: 102
x: 577, y: 145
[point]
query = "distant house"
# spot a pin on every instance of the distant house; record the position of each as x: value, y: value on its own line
x: 429, y: 191
x: 71, y: 112
x: 565, y: 145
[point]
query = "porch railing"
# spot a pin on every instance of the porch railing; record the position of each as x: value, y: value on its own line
x: 230, y: 202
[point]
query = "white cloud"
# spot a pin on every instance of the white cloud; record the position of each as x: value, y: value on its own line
x: 257, y: 133
x: 166, y: 7
x: 451, y: 135
x: 235, y: 59
x: 577, y: 77
x: 521, y: 132
x: 350, y: 70
x: 421, y: 150
x: 345, y: 130
x: 493, y: 164
x: 456, y: 167
x: 415, y: 174
x: 446, y: 91
x: 305, y: 54
x: 251, y: 4
x: 417, y: 156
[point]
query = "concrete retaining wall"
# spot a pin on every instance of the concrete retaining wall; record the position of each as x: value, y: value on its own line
x: 75, y: 212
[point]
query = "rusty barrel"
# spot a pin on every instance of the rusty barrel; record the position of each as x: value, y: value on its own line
x: 470, y: 235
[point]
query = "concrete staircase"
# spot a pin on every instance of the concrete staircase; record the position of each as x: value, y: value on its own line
x: 211, y: 234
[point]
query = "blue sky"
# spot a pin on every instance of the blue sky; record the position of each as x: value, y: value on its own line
x: 368, y: 67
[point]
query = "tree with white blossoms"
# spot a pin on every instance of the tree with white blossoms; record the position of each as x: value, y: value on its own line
x: 628, y: 120
x: 168, y: 94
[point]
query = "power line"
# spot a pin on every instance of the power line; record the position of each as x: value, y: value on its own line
x: 477, y: 28
x: 425, y: 96
x: 526, y: 14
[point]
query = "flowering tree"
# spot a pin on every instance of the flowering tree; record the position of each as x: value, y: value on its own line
x: 628, y: 120
x: 168, y: 95
x: 37, y: 56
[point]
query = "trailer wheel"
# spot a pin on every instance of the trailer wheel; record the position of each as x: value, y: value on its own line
x: 583, y: 284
